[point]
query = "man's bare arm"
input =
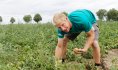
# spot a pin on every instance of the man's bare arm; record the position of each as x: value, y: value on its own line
x: 90, y: 39
x: 58, y: 50
x: 60, y: 42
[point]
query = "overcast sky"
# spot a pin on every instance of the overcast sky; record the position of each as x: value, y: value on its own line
x: 47, y: 8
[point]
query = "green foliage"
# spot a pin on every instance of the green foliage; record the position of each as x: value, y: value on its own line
x: 31, y: 47
x: 12, y: 20
x: 108, y: 36
x: 0, y: 19
x: 112, y: 14
x: 101, y: 14
x: 27, y: 18
x: 37, y: 18
x: 109, y: 15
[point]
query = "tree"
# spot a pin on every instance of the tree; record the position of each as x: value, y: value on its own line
x: 117, y: 16
x: 0, y: 19
x: 101, y: 14
x: 12, y: 20
x: 112, y: 14
x: 37, y: 18
x: 27, y: 18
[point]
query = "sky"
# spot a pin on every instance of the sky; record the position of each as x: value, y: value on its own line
x: 47, y: 8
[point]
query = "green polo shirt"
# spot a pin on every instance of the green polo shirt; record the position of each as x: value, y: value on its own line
x: 81, y: 20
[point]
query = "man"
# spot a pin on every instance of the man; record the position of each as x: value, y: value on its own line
x: 69, y: 27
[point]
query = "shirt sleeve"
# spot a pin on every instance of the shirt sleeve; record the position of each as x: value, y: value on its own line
x: 87, y: 26
x: 60, y: 33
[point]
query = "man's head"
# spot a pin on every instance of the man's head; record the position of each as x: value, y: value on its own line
x: 61, y: 21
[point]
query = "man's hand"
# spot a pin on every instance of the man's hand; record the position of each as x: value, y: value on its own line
x: 79, y: 51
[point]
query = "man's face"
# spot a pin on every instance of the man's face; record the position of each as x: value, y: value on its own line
x: 64, y: 26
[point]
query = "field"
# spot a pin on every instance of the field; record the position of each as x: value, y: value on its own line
x: 31, y: 47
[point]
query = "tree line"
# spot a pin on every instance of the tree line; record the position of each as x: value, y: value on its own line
x: 27, y: 18
x: 110, y: 15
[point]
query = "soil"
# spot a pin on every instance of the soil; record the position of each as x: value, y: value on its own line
x: 110, y: 60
